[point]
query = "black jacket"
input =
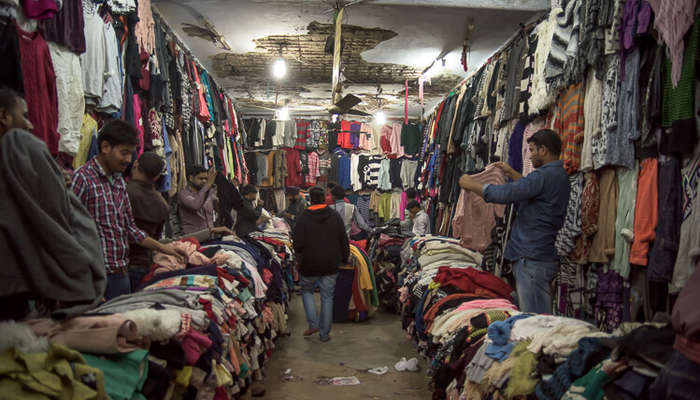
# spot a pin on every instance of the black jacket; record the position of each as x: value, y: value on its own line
x: 320, y: 242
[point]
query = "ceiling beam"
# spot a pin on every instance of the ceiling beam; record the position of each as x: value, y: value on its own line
x: 513, y: 5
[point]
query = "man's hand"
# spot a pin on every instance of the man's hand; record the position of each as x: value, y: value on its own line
x: 180, y: 254
x: 466, y: 182
x: 211, y: 176
x: 221, y: 230
x: 508, y: 170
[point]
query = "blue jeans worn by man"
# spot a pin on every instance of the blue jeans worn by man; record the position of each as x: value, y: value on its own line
x: 327, y: 285
x: 533, y: 283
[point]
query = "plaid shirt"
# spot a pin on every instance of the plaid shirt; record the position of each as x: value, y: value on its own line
x: 107, y: 200
x: 313, y: 169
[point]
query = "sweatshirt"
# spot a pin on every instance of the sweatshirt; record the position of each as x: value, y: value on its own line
x: 320, y: 241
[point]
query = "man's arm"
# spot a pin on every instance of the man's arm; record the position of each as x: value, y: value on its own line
x: 193, y: 201
x: 513, y: 192
x: 360, y: 221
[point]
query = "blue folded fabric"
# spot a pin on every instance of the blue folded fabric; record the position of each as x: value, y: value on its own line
x: 499, y: 333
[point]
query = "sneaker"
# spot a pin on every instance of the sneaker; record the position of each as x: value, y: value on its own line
x: 324, y: 340
x: 310, y: 332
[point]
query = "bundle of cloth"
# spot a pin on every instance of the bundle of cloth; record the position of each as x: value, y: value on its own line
x: 385, y: 247
x: 355, y: 298
x: 202, y: 329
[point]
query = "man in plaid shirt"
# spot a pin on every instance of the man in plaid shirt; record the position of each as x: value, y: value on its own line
x: 100, y: 186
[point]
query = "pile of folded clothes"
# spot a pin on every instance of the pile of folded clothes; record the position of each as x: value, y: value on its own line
x: 201, y: 329
x: 481, y: 347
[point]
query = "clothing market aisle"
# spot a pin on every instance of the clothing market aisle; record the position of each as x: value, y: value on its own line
x: 354, y: 348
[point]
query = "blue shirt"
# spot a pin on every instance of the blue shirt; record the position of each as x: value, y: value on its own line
x: 541, y: 198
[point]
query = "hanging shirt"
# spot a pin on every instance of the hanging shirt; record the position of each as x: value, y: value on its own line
x: 474, y: 218
x: 294, y: 177
x: 314, y: 169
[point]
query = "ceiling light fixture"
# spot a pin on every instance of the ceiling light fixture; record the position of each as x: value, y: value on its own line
x: 334, y: 119
x: 380, y: 118
x: 283, y: 114
x: 279, y: 68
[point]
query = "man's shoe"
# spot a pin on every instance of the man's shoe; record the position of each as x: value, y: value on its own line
x: 324, y: 340
x: 310, y: 332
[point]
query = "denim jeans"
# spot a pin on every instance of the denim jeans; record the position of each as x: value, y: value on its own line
x: 533, y: 283
x: 136, y: 274
x: 679, y: 379
x: 117, y: 285
x: 327, y: 286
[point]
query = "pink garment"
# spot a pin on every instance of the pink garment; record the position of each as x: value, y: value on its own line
x: 396, y: 146
x: 365, y: 143
x: 194, y: 344
x: 673, y: 19
x: 139, y: 124
x: 530, y: 130
x: 39, y: 9
x: 167, y: 262
x: 475, y: 218
x: 487, y: 304
x: 104, y: 334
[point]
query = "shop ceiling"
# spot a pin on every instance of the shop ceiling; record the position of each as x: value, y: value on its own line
x: 385, y: 42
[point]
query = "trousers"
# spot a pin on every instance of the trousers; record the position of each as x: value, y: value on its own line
x: 327, y: 285
x: 533, y: 283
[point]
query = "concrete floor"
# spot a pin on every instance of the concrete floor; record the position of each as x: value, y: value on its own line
x: 354, y: 348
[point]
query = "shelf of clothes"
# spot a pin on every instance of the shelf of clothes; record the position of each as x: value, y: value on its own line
x: 83, y: 62
x: 624, y: 107
x: 480, y: 346
x: 199, y: 329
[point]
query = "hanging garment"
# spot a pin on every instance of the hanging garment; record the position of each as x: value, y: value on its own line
x: 603, y: 246
x: 39, y: 87
x: 592, y: 111
x: 646, y: 211
x: 624, y: 224
x: 71, y: 100
x: 569, y: 233
x: 111, y: 98
x: 474, y: 218
x: 66, y: 28
x: 569, y: 125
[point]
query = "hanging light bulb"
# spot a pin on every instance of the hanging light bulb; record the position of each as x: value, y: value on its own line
x: 334, y: 118
x: 279, y: 68
x: 380, y: 118
x: 283, y: 114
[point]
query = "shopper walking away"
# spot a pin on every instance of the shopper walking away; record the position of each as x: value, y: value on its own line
x: 321, y: 244
x: 541, y: 198
x: 100, y: 186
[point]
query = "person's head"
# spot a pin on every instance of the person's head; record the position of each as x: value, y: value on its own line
x: 413, y: 207
x: 197, y: 176
x: 13, y: 112
x: 411, y: 193
x: 117, y: 142
x: 249, y: 192
x: 545, y: 147
x: 317, y: 195
x: 149, y: 167
x: 338, y: 193
x: 292, y: 193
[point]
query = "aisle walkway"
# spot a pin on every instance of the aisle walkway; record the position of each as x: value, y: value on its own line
x: 353, y: 349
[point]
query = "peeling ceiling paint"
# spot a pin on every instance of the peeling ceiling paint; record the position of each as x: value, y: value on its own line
x: 386, y: 42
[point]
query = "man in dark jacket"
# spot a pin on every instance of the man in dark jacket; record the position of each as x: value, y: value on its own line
x: 321, y: 245
x: 249, y: 214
